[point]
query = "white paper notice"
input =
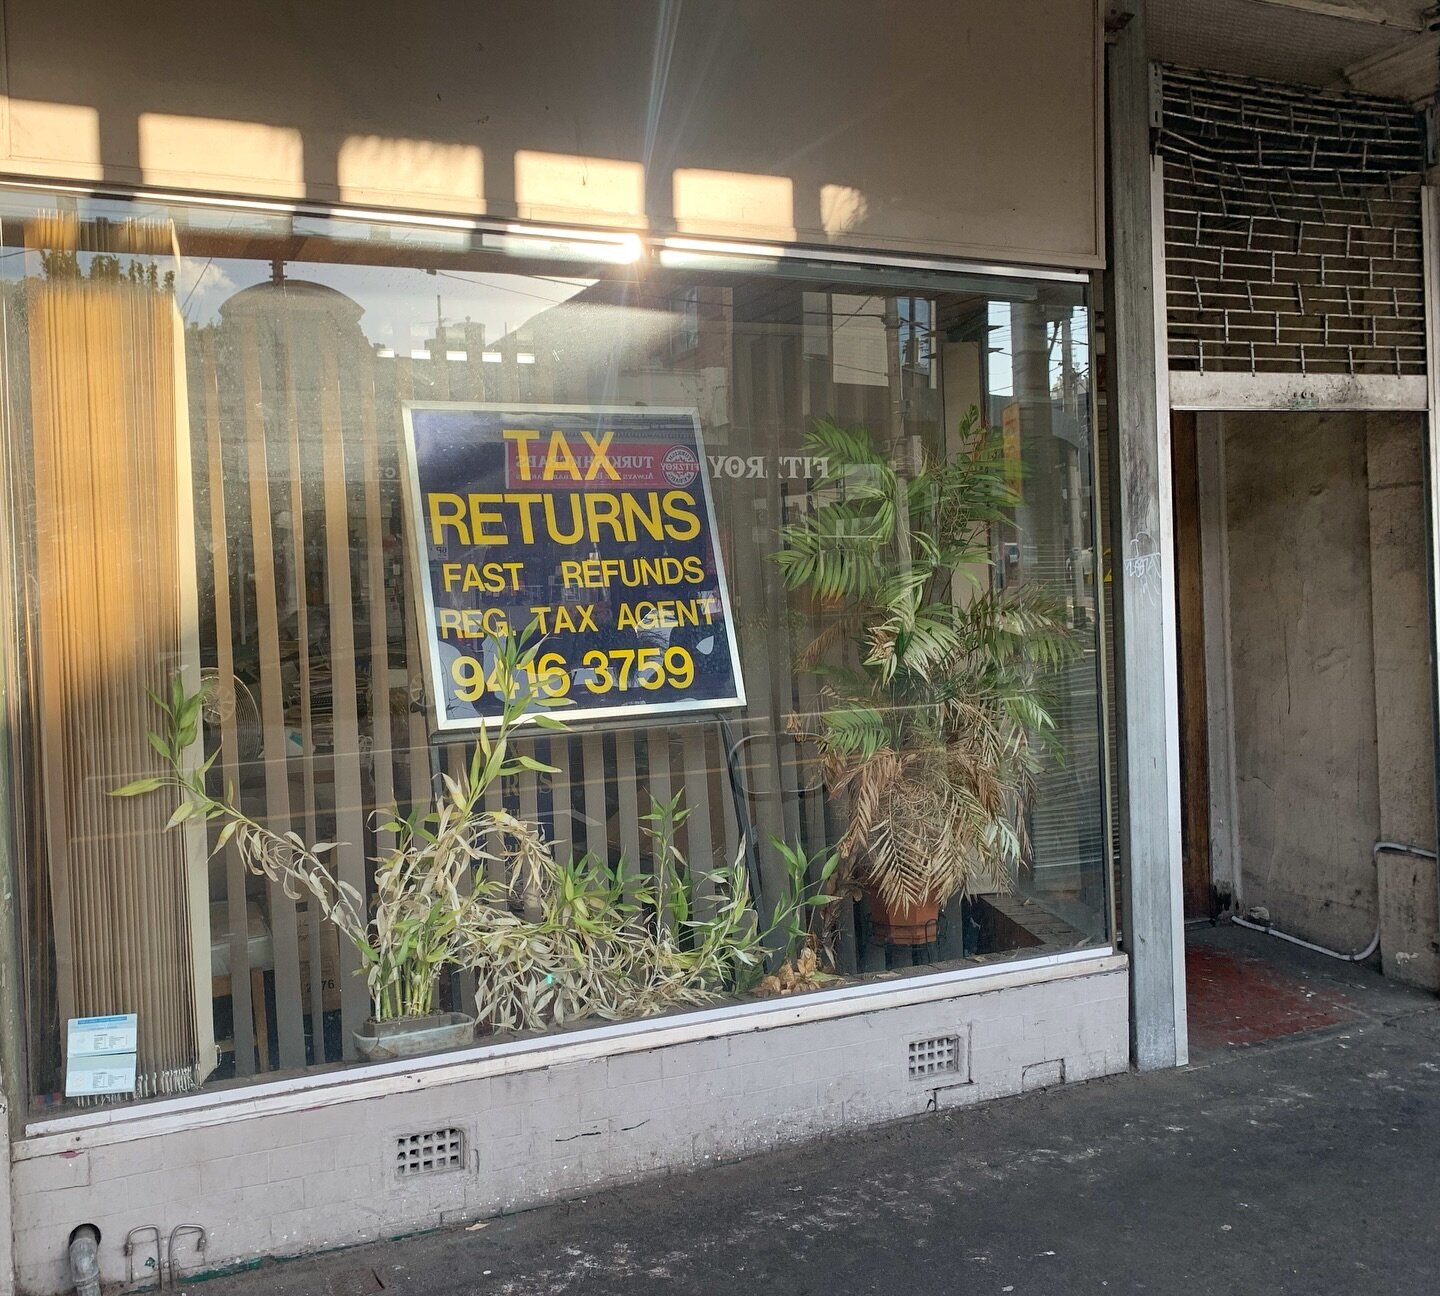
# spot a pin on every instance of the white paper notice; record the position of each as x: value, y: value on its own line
x: 100, y: 1055
x: 106, y: 1073
x: 860, y: 354
x: 90, y: 1035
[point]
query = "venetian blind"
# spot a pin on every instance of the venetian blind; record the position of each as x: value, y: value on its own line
x: 113, y: 618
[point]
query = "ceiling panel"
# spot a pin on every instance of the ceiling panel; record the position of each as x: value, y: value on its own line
x: 1251, y: 38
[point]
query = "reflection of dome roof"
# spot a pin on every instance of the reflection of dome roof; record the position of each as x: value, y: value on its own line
x: 293, y: 294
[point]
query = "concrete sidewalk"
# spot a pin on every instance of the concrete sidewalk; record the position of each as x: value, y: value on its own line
x: 1306, y: 1162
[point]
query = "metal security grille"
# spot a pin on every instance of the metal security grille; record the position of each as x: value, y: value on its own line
x: 934, y: 1056
x: 429, y: 1151
x: 1292, y: 228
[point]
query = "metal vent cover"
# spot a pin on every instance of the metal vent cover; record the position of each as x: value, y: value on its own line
x: 429, y: 1152
x: 939, y: 1055
x: 1292, y: 228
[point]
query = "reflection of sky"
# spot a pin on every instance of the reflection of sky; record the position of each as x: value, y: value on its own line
x: 1002, y: 358
x: 1002, y: 366
x: 401, y: 305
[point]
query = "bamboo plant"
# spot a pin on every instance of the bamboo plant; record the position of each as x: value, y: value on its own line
x: 431, y: 903
x: 549, y: 941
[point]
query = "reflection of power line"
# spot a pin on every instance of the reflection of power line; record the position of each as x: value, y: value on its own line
x: 198, y: 279
x: 476, y: 282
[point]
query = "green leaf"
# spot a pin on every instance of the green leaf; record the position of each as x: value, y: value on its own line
x: 190, y: 710
x: 138, y: 787
x: 182, y: 812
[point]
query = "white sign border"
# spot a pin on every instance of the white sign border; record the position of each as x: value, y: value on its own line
x: 434, y: 671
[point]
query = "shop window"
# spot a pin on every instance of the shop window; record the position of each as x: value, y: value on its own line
x: 810, y: 558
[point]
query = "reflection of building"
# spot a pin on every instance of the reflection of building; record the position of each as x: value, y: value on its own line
x: 641, y: 344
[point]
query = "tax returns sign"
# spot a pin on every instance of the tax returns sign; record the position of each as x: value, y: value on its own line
x: 593, y: 522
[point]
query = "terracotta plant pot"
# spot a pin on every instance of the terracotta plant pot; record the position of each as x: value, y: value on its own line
x: 905, y: 924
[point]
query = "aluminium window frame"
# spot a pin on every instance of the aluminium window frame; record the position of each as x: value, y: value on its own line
x: 258, y: 1095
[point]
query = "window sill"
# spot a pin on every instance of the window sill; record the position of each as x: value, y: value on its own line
x: 151, y: 1119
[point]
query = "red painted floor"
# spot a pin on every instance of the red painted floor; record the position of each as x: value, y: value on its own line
x: 1235, y: 999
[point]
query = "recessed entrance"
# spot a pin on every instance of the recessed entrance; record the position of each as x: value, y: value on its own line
x: 1304, y: 649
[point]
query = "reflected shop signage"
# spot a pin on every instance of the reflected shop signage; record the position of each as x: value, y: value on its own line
x: 594, y: 523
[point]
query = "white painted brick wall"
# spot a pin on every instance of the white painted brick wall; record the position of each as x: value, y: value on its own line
x: 286, y: 1183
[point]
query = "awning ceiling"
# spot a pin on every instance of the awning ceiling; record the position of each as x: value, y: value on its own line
x: 1376, y: 47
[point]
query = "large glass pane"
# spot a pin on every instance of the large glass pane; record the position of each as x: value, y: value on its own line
x: 890, y: 480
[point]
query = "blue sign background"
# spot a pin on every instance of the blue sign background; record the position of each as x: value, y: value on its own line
x: 630, y: 593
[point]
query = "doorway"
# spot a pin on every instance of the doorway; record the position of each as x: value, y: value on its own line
x: 1304, y: 662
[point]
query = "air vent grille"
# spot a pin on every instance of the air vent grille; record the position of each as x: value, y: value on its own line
x: 937, y: 1056
x: 429, y: 1152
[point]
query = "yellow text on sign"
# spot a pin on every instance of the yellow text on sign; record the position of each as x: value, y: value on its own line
x: 602, y: 671
x: 567, y: 518
x: 489, y: 578
x: 472, y: 623
x: 560, y: 461
x: 664, y: 614
x: 637, y: 573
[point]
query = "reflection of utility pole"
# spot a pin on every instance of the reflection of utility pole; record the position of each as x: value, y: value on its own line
x: 1071, y: 405
x: 903, y: 456
x: 1037, y: 515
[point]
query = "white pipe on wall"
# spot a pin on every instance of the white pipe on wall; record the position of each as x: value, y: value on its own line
x: 1360, y: 955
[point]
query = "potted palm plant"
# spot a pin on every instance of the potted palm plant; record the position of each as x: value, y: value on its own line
x: 933, y: 708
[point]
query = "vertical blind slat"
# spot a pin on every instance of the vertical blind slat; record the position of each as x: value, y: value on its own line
x: 227, y: 704
x: 283, y: 925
